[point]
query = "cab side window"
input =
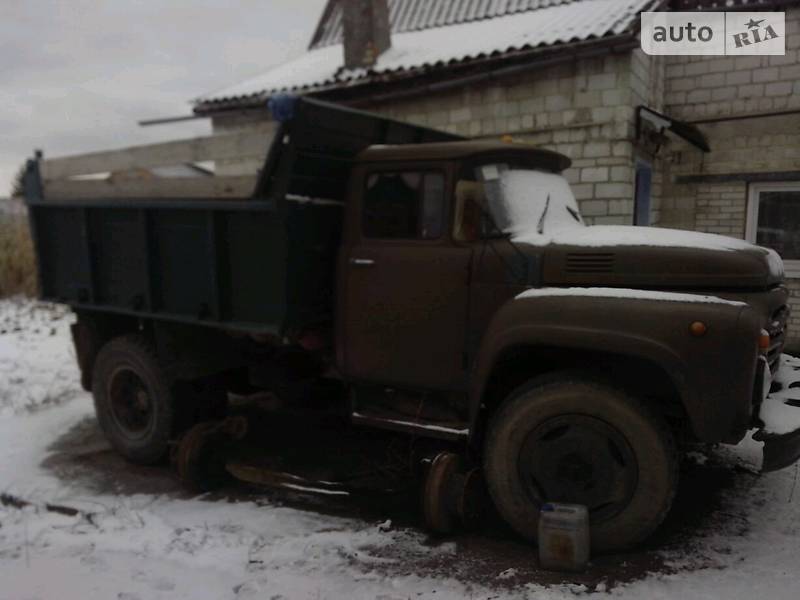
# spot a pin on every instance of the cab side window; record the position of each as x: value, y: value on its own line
x: 404, y: 205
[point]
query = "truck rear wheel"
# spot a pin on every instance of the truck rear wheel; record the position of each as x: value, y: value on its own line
x: 133, y: 399
x: 200, y: 457
x: 576, y: 441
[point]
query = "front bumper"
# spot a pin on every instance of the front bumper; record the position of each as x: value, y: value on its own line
x: 780, y: 451
x: 780, y: 416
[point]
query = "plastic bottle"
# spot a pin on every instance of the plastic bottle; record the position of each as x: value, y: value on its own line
x: 564, y: 537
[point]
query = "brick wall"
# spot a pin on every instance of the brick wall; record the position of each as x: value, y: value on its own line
x: 794, y: 319
x: 698, y: 88
x: 762, y: 145
x: 724, y: 89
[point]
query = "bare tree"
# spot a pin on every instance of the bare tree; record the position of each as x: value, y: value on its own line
x: 17, y: 186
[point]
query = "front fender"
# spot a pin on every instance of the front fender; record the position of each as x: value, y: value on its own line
x: 713, y: 374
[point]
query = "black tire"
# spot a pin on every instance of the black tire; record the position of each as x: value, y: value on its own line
x: 577, y: 441
x: 133, y: 399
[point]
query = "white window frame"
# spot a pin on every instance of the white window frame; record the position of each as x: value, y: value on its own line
x: 791, y: 267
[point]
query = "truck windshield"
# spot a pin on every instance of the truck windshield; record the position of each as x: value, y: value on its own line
x: 525, y: 203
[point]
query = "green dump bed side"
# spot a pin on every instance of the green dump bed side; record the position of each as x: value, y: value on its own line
x: 261, y: 264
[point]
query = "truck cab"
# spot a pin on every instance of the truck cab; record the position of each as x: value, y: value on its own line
x: 420, y: 250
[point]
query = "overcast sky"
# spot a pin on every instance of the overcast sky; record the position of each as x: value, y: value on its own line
x: 77, y: 75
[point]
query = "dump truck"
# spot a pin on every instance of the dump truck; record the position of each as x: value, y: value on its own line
x: 423, y: 285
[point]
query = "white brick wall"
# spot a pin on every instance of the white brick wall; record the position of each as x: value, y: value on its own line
x: 700, y: 88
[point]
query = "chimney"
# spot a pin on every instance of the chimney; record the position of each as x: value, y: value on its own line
x: 367, y: 33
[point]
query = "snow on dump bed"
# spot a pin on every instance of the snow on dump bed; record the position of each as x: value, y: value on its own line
x: 597, y: 292
x: 778, y: 415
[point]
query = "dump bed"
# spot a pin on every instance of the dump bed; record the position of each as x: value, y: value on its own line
x: 187, y: 250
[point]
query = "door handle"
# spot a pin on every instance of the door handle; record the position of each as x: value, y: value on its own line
x: 362, y: 262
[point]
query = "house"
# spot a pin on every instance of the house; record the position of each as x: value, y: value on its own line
x: 694, y: 142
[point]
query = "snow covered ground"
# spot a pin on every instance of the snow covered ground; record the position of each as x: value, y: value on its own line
x: 77, y: 522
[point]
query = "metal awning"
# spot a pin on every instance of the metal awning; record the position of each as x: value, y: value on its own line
x: 662, y: 123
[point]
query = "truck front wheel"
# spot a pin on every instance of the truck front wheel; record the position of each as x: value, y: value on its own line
x: 576, y: 441
x: 133, y: 399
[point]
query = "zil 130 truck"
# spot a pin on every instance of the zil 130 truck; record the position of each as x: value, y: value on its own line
x: 422, y: 285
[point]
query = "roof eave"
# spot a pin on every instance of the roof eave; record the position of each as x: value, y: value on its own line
x: 362, y: 90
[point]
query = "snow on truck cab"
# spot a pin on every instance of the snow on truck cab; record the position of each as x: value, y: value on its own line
x: 413, y: 282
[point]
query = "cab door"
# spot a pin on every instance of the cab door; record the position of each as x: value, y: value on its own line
x: 404, y: 315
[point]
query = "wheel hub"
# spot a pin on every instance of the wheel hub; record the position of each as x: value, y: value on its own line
x: 581, y: 460
x: 575, y: 469
x: 131, y: 405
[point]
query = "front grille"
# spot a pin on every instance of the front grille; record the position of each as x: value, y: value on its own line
x: 777, y: 336
x: 590, y: 262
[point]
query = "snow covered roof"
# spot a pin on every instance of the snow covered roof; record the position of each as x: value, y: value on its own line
x: 419, y: 44
x: 413, y: 15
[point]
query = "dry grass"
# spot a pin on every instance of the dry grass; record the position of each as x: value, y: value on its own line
x: 17, y: 264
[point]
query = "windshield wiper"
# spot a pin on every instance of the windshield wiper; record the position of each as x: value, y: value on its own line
x: 574, y: 213
x: 540, y: 227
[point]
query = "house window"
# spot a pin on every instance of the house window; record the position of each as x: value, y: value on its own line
x: 404, y: 205
x: 774, y: 221
x: 644, y: 183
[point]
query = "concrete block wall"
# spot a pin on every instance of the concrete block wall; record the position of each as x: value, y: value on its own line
x: 715, y: 93
x: 702, y: 87
x: 767, y: 142
x: 699, y: 88
x: 763, y: 145
x: 720, y: 208
x: 793, y: 341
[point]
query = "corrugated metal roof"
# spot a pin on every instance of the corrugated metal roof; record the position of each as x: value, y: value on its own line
x: 426, y: 49
x: 415, y: 15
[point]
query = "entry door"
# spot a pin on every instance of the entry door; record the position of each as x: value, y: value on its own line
x: 405, y: 313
